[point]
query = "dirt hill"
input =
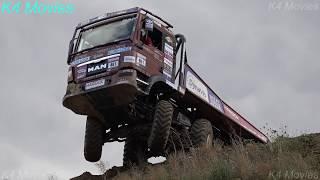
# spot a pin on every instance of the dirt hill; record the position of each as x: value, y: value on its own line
x: 284, y: 158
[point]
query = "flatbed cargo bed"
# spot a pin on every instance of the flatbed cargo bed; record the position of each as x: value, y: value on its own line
x: 216, y: 109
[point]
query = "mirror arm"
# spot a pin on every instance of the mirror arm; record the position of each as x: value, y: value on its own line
x: 181, y: 61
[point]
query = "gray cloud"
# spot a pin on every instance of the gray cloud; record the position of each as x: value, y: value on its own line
x: 263, y: 62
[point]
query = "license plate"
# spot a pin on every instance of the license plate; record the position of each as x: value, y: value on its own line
x: 95, y: 84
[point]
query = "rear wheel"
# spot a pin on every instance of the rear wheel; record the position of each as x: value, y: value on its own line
x: 93, y: 141
x: 201, y: 133
x: 161, y: 127
x: 134, y: 152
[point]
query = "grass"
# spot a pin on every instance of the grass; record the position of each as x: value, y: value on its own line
x: 284, y: 158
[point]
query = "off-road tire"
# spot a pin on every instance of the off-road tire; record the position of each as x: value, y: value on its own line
x: 94, y: 139
x: 201, y: 133
x: 161, y: 127
x: 134, y: 152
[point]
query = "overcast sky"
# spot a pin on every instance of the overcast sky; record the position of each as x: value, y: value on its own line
x: 264, y: 62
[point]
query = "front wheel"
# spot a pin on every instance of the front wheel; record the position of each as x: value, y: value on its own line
x: 201, y: 133
x: 161, y: 127
x: 135, y: 152
x: 93, y: 141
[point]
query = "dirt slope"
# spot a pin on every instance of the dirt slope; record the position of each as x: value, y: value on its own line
x: 285, y: 158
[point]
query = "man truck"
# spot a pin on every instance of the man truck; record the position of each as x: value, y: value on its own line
x: 129, y: 74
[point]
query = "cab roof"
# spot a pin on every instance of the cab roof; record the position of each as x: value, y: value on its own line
x: 120, y: 13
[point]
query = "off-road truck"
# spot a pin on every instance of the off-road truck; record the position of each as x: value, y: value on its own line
x: 129, y: 74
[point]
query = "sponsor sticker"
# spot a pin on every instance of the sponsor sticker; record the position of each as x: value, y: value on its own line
x: 215, y: 102
x: 113, y: 63
x: 167, y: 67
x: 168, y: 50
x: 168, y: 62
x: 81, y: 72
x: 95, y: 84
x: 166, y: 73
x: 80, y: 60
x: 141, y: 60
x: 119, y: 50
x: 81, y: 69
x: 168, y: 56
x: 129, y: 59
x: 194, y: 85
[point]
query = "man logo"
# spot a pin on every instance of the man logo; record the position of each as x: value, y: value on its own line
x: 97, y: 68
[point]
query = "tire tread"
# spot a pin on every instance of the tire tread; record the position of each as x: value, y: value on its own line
x: 93, y: 140
x: 161, y: 126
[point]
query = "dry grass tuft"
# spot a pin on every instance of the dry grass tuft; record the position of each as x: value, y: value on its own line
x: 285, y: 158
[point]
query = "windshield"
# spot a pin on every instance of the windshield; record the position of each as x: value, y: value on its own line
x: 107, y: 33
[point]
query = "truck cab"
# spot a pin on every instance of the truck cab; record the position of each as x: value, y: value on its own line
x: 113, y: 57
